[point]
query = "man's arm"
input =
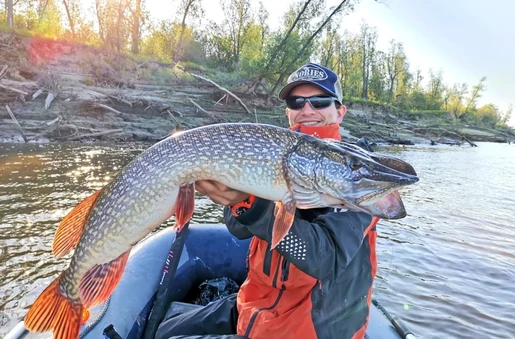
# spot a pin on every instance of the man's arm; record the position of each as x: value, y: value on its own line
x: 322, y: 248
x: 238, y: 230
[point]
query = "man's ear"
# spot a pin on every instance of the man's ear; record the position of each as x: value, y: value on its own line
x: 341, y: 113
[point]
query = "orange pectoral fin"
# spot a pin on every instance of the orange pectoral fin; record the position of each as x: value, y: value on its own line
x: 71, y: 227
x: 101, y: 280
x: 54, y: 311
x: 185, y: 205
x: 284, y: 215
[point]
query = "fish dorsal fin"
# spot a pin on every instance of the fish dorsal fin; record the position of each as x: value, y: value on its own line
x: 71, y: 227
x: 101, y: 280
x: 184, y: 205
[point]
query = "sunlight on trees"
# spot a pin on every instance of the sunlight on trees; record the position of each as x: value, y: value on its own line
x: 243, y: 44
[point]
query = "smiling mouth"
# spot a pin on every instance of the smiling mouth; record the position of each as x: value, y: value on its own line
x: 310, y: 123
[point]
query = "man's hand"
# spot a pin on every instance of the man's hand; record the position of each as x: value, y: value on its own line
x: 220, y: 193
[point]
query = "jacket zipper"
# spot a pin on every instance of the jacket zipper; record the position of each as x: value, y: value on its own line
x: 286, y: 270
x: 284, y: 276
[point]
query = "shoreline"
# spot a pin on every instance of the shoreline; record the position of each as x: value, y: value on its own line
x: 63, y: 92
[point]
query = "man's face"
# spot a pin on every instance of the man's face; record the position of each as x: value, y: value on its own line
x: 313, y: 117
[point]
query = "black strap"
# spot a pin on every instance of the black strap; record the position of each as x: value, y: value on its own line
x: 110, y: 333
x: 164, y: 292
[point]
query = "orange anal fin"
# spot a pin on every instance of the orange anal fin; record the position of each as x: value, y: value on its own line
x: 53, y: 311
x: 101, y: 280
x: 71, y: 227
x: 284, y: 215
x: 185, y: 205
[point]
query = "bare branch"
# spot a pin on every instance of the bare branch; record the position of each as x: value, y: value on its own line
x: 13, y: 89
x: 16, y: 122
x: 225, y: 90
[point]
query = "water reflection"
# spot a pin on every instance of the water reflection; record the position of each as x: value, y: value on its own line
x: 446, y: 269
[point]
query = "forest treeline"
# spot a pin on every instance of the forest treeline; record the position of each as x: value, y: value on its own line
x: 244, y: 45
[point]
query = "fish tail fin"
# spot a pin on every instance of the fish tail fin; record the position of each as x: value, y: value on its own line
x: 53, y: 311
x: 185, y: 205
x: 284, y: 215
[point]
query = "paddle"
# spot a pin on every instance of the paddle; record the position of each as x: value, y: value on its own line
x: 164, y: 292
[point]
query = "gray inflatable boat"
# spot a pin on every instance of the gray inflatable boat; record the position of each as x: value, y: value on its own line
x: 210, y: 251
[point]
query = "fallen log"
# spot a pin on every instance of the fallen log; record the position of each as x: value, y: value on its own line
x: 16, y: 123
x: 13, y: 89
x: 418, y: 130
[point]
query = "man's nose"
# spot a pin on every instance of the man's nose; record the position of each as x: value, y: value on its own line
x: 307, y: 109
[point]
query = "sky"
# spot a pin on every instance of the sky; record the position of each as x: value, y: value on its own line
x: 466, y: 39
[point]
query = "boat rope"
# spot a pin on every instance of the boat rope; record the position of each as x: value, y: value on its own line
x: 100, y: 315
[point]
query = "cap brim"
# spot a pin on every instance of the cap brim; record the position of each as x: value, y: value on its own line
x: 283, y: 93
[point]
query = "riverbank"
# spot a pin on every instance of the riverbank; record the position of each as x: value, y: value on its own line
x: 56, y: 91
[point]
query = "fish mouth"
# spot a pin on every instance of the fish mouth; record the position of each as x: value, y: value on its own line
x: 390, y: 179
x: 372, y: 196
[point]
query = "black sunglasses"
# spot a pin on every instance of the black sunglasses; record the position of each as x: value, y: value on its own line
x: 316, y: 102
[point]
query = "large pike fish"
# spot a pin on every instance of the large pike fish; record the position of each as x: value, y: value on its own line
x: 292, y: 169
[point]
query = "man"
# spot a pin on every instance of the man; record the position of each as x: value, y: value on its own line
x: 317, y: 282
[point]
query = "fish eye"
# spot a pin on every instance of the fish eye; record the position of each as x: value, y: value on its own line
x: 355, y: 165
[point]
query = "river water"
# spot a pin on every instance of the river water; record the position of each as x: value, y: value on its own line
x: 447, y: 269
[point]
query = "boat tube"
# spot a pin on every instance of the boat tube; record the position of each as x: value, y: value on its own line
x: 210, y: 252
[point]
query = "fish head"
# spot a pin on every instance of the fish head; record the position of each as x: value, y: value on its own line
x: 345, y: 174
x: 348, y: 172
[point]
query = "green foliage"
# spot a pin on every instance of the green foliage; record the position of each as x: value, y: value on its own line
x: 243, y: 47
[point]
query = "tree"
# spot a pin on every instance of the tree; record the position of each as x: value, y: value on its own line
x: 488, y: 114
x: 237, y: 20
x: 136, y: 25
x: 262, y: 20
x: 187, y: 7
x: 10, y: 13
x: 395, y: 65
x: 306, y: 45
x: 475, y: 94
x: 435, y: 90
x: 70, y: 17
x: 455, y: 98
x: 368, y: 45
x: 507, y: 114
x: 112, y: 23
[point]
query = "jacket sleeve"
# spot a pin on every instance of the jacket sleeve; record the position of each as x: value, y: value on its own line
x: 322, y: 248
x: 235, y: 228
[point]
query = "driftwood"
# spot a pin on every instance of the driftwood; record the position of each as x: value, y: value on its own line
x: 203, y: 110
x: 3, y: 72
x: 223, y: 89
x: 13, y: 89
x: 107, y: 108
x: 119, y: 99
x: 49, y: 98
x: 16, y: 122
x: 173, y: 118
x: 37, y: 93
x: 448, y: 132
